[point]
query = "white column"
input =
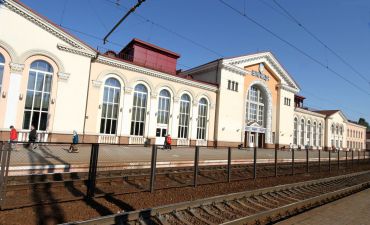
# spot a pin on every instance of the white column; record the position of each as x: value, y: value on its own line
x: 16, y: 71
x: 194, y: 122
x: 126, y: 112
x: 175, y: 117
x: 152, y: 118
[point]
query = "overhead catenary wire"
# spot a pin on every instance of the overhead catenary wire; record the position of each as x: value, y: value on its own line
x: 171, y: 31
x: 344, y: 61
x: 63, y: 12
x: 294, y: 47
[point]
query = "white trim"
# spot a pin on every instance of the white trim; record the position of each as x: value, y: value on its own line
x: 153, y: 73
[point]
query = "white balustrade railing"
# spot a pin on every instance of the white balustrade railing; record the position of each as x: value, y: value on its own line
x: 108, y: 139
x: 201, y: 143
x: 136, y: 140
x: 182, y: 141
x: 41, y: 136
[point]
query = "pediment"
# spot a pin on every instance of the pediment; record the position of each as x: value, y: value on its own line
x: 253, y: 124
x: 268, y: 62
x: 69, y: 41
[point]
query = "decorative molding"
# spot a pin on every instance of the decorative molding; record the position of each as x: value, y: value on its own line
x: 153, y: 95
x: 234, y: 69
x: 128, y: 90
x: 76, y: 51
x: 97, y: 83
x: 288, y: 88
x: 268, y: 58
x: 45, y: 53
x: 16, y: 67
x: 21, y: 10
x: 63, y: 76
x: 308, y: 112
x: 11, y: 52
x: 153, y: 73
x: 176, y: 99
x: 262, y: 84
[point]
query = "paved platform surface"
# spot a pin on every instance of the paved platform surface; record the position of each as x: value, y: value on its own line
x: 351, y: 210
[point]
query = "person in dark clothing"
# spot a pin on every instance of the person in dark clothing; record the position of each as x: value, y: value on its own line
x: 73, y: 147
x: 32, y: 137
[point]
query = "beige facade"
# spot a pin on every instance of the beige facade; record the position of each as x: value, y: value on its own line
x: 356, y: 136
x: 59, y: 84
x: 308, y: 129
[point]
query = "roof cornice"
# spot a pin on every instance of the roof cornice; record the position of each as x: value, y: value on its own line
x: 300, y: 110
x: 153, y: 73
x: 269, y: 58
x: 43, y: 23
x: 77, y: 51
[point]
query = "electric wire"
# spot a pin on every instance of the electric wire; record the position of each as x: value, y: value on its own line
x: 294, y: 47
x: 321, y: 42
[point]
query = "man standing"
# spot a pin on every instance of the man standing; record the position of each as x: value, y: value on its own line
x: 32, y: 138
x: 13, y: 138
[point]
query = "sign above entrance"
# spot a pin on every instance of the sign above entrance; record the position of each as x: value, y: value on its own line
x: 255, y: 129
x: 260, y: 74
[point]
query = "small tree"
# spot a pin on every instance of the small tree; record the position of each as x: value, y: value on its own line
x: 363, y: 122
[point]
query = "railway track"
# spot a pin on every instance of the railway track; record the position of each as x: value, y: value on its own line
x: 251, y: 207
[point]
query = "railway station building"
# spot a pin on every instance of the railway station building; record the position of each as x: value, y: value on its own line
x: 56, y: 82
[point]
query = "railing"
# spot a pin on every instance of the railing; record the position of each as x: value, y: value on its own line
x: 201, y: 143
x: 41, y: 136
x: 182, y: 141
x: 108, y: 139
x: 137, y: 140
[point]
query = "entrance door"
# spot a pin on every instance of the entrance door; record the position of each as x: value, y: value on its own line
x: 251, y: 140
x: 161, y: 134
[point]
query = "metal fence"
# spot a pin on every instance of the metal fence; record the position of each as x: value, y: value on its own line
x: 52, y: 172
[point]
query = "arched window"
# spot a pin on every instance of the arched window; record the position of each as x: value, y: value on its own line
x: 309, y: 132
x: 110, y: 109
x: 314, y: 134
x: 2, y: 62
x: 295, y: 132
x: 341, y: 130
x: 164, y: 102
x: 202, y: 119
x: 336, y: 129
x: 139, y: 110
x: 184, y: 116
x: 320, y: 134
x: 332, y: 128
x: 302, y: 132
x: 38, y: 95
x: 255, y: 107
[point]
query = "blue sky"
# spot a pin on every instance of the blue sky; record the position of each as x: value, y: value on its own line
x: 344, y: 25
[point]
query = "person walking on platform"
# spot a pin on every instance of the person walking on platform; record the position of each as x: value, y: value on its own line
x: 73, y: 147
x: 168, y: 142
x: 32, y: 137
x: 13, y: 138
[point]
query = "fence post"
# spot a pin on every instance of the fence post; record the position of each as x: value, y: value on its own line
x: 352, y: 159
x: 276, y: 168
x: 292, y: 161
x: 307, y: 165
x: 4, y: 169
x: 329, y: 161
x: 319, y: 160
x: 153, y: 168
x: 358, y: 158
x: 255, y: 162
x: 91, y: 182
x: 338, y: 165
x: 196, y: 166
x: 346, y: 159
x: 229, y: 164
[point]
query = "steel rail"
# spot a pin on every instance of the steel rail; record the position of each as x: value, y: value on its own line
x: 301, y: 195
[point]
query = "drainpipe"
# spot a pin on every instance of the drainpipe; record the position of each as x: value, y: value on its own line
x: 215, y: 132
x: 87, y: 99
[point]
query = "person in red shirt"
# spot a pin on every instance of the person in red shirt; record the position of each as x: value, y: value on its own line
x: 168, y: 141
x: 13, y: 138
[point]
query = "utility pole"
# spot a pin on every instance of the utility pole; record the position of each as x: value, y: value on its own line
x: 122, y: 19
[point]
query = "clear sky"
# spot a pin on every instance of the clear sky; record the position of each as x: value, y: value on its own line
x: 185, y: 26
